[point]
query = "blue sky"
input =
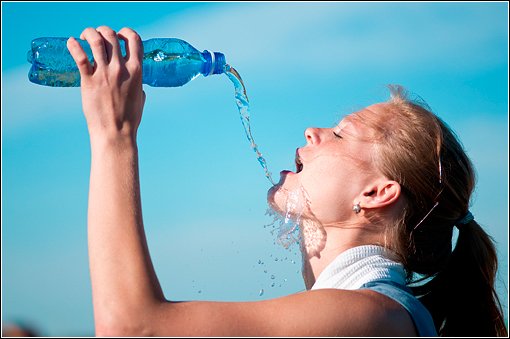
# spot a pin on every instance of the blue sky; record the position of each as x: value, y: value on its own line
x: 203, y: 191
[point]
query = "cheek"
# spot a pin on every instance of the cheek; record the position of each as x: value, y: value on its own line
x: 326, y: 202
x: 329, y: 195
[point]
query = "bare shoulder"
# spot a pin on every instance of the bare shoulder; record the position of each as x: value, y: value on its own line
x: 327, y: 312
x: 390, y: 318
x: 357, y: 313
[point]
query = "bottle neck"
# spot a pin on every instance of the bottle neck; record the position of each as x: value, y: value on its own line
x: 214, y: 63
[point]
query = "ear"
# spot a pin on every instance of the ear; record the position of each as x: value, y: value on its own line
x: 379, y: 194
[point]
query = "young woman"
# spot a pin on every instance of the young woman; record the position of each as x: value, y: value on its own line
x: 381, y: 194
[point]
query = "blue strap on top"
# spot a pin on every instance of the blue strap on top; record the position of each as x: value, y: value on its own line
x: 402, y: 294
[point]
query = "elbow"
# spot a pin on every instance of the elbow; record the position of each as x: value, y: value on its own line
x: 110, y: 325
x: 121, y: 330
x: 118, y: 331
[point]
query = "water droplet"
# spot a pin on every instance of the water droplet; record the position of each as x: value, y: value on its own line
x: 265, y: 271
x: 261, y: 292
x: 199, y: 291
x: 275, y: 259
x: 272, y: 276
x: 272, y: 285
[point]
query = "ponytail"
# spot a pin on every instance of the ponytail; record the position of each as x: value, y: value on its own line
x: 421, y: 152
x: 461, y: 297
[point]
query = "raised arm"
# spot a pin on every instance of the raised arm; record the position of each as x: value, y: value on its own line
x: 123, y: 278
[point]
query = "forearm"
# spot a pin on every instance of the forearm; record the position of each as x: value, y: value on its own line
x: 123, y: 279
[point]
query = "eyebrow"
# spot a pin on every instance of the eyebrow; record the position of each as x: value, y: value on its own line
x: 348, y: 122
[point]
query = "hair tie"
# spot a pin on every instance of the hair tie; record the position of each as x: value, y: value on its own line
x: 466, y: 219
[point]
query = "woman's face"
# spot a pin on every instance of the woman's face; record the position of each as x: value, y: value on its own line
x: 332, y: 170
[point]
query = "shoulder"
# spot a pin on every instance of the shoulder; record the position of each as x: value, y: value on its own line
x: 360, y: 313
x: 390, y: 317
x: 326, y: 312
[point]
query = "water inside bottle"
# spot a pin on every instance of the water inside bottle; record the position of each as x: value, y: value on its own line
x: 244, y: 110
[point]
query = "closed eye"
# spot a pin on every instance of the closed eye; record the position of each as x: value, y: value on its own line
x: 337, y: 135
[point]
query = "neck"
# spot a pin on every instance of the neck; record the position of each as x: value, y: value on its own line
x: 337, y: 240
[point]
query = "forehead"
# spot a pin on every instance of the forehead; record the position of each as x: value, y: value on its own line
x: 366, y: 123
x: 373, y: 112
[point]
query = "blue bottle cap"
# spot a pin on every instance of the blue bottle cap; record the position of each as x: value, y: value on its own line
x: 219, y: 65
x: 215, y: 63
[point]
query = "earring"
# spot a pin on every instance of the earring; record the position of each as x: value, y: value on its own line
x: 356, y: 208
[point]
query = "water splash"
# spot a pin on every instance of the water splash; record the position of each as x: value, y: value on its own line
x: 289, y: 222
x: 244, y: 110
x: 296, y: 228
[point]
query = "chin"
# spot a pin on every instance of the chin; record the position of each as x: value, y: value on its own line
x: 274, y: 198
x: 288, y: 197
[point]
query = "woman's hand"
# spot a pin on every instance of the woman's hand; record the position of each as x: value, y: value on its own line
x: 112, y: 94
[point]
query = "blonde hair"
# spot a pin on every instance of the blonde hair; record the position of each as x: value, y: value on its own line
x: 418, y: 150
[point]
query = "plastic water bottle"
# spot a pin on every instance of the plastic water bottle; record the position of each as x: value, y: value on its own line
x: 167, y: 62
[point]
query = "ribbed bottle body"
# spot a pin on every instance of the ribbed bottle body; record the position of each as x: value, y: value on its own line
x: 167, y: 62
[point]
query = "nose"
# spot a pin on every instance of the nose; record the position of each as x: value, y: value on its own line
x: 312, y: 135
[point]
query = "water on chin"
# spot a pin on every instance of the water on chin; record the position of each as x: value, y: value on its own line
x: 295, y: 222
x: 287, y: 219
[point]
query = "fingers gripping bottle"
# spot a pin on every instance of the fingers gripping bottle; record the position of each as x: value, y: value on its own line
x: 167, y: 62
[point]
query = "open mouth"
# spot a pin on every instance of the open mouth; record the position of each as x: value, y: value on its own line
x: 299, y: 164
